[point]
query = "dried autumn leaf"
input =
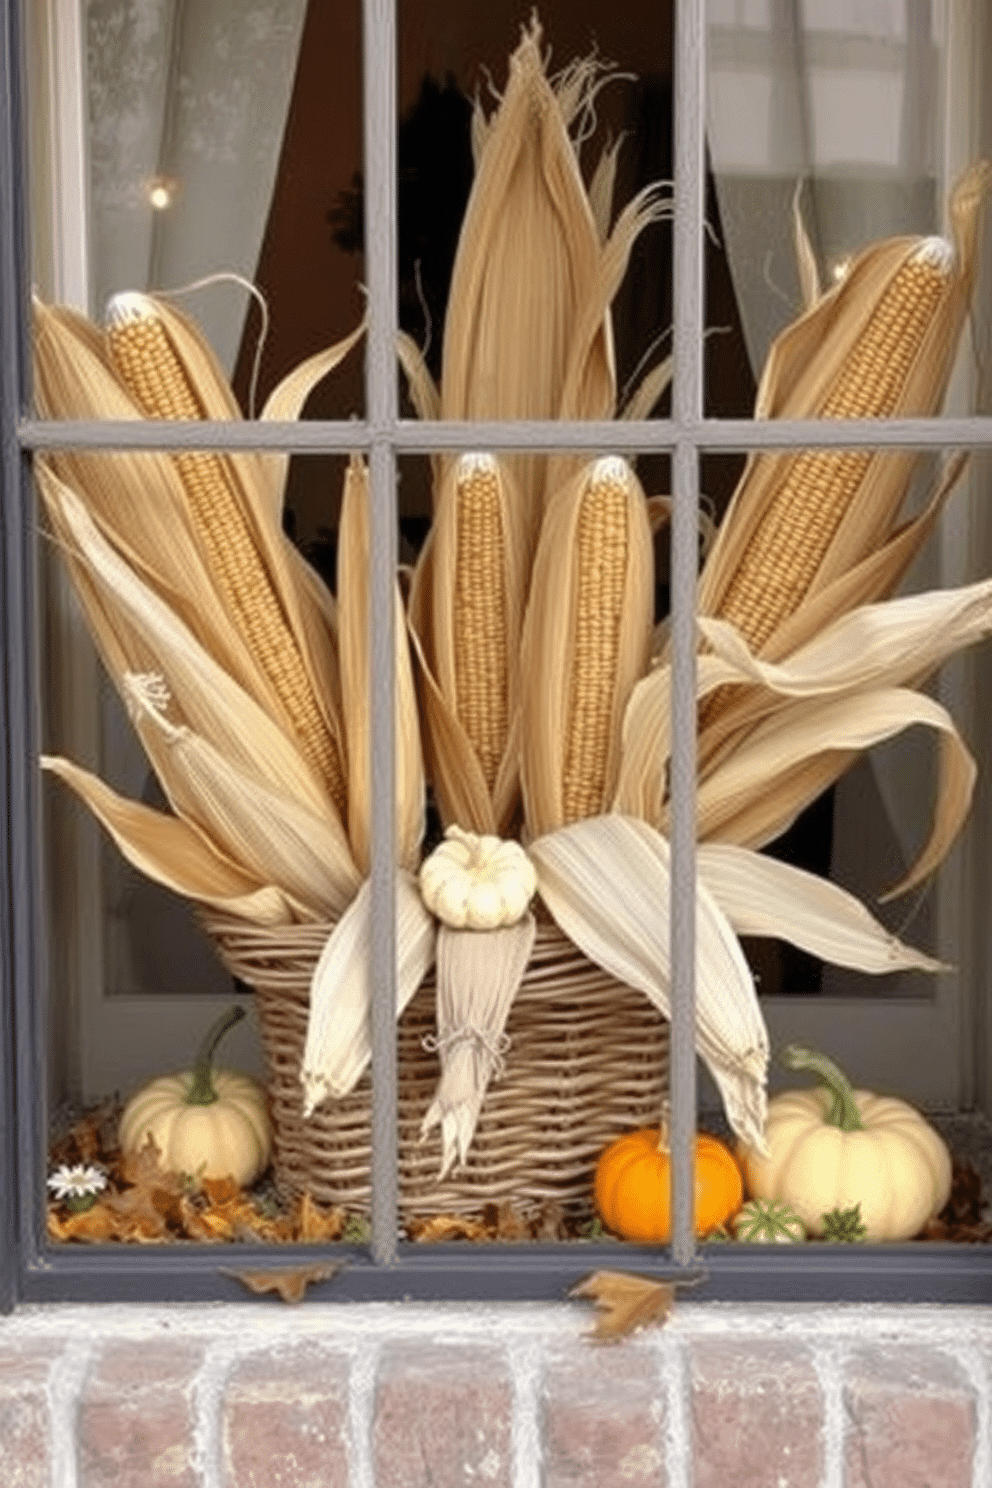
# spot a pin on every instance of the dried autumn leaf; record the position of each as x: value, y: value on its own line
x: 95, y: 1225
x: 625, y: 1302
x: 440, y: 1227
x: 220, y: 1191
x: 314, y: 1223
x: 290, y: 1284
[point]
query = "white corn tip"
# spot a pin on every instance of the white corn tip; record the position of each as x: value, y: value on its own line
x: 126, y: 307
x: 936, y: 251
x: 610, y: 468
x: 475, y: 462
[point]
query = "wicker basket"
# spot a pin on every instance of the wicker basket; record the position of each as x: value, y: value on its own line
x: 587, y: 1060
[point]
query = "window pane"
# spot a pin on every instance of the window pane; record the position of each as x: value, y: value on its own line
x: 217, y: 821
x: 523, y: 288
x: 173, y: 145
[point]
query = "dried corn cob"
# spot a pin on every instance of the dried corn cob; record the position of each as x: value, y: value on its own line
x: 602, y: 571
x: 480, y: 600
x: 785, y: 553
x: 151, y: 370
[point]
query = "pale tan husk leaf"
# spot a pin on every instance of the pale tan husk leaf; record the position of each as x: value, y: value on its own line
x: 607, y: 883
x: 355, y: 654
x: 338, y: 1042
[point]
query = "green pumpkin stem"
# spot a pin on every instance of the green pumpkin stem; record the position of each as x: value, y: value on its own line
x: 843, y: 1110
x: 201, y: 1091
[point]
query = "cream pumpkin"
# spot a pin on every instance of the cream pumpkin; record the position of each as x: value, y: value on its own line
x: 477, y: 883
x: 206, y: 1123
x: 832, y: 1147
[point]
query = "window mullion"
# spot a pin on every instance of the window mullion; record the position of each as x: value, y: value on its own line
x: 687, y: 409
x: 379, y: 53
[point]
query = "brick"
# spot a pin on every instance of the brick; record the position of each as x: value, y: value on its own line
x: 910, y: 1420
x: 604, y: 1420
x: 25, y: 1424
x: 443, y: 1418
x: 137, y: 1417
x: 285, y: 1421
x: 757, y: 1415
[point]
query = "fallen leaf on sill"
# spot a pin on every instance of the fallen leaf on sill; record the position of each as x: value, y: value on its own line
x: 625, y: 1302
x: 291, y: 1284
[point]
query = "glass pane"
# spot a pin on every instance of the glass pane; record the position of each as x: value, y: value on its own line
x: 177, y: 145
x: 524, y: 262
x: 214, y: 853
x: 842, y: 163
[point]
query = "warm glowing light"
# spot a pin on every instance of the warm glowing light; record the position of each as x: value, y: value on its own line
x: 161, y: 193
x: 839, y: 268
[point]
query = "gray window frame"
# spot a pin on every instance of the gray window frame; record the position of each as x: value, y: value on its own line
x: 33, y: 1271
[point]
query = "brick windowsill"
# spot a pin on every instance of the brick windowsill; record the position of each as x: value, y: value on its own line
x: 267, y: 1396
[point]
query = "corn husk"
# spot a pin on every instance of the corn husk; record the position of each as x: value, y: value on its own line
x: 208, y: 716
x: 175, y: 854
x: 536, y: 267
x: 478, y: 976
x: 802, y: 367
x: 356, y: 671
x: 464, y: 796
x: 809, y: 717
x: 754, y: 796
x: 549, y: 641
x: 287, y: 400
x: 607, y: 883
x: 338, y: 1043
x: 762, y: 896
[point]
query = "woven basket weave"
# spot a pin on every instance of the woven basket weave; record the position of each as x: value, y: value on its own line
x: 587, y: 1060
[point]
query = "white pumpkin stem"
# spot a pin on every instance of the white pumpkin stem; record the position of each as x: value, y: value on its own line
x: 843, y: 1110
x: 201, y: 1091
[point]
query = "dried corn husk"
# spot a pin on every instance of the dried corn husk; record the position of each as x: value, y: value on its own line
x: 762, y: 896
x: 356, y: 675
x: 607, y: 883
x: 535, y: 268
x: 287, y: 399
x: 571, y: 642
x: 225, y: 767
x: 756, y: 794
x: 477, y: 794
x: 478, y: 975
x: 175, y: 854
x: 210, y: 719
x: 850, y: 682
x: 805, y: 366
x: 338, y: 1042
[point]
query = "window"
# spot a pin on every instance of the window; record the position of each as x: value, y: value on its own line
x: 69, y: 956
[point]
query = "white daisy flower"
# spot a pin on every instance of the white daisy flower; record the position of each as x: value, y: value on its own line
x: 78, y: 1182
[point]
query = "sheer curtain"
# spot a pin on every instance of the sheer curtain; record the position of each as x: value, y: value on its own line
x: 187, y: 105
x: 844, y: 96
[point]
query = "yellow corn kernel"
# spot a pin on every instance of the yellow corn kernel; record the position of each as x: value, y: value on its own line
x: 602, y: 566
x: 154, y: 375
x: 792, y: 539
x: 480, y: 603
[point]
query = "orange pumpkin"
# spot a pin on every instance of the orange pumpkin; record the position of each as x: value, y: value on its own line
x: 633, y: 1186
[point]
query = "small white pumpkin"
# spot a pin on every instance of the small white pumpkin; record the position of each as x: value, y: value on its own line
x: 206, y: 1123
x: 833, y: 1147
x: 477, y: 883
